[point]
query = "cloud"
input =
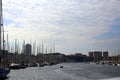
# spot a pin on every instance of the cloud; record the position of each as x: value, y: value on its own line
x: 66, y: 22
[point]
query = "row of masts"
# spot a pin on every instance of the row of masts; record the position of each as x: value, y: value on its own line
x: 37, y: 48
x: 16, y: 47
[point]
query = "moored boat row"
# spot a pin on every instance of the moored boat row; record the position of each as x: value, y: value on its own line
x: 107, y: 63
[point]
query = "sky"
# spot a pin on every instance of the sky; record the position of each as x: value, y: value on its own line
x: 74, y: 26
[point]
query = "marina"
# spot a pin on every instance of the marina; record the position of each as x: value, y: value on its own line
x: 70, y: 71
x: 59, y: 40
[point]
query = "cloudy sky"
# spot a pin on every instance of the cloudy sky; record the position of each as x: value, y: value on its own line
x: 73, y: 25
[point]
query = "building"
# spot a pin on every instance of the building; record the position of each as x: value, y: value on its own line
x: 119, y: 58
x: 97, y: 56
x: 105, y: 55
x: 27, y: 49
x: 77, y: 57
x: 78, y: 54
x: 91, y: 54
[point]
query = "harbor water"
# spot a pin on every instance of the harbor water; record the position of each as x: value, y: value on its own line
x: 70, y: 71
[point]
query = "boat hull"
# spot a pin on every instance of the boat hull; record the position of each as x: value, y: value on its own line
x: 17, y: 66
x: 4, y: 72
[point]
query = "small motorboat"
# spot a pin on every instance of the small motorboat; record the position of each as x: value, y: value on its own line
x: 61, y: 66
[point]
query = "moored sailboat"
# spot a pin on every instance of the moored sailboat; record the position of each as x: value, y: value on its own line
x: 4, y: 66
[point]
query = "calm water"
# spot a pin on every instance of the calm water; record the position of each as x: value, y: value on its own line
x: 71, y: 71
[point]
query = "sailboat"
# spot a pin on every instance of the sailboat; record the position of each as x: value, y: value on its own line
x: 4, y: 67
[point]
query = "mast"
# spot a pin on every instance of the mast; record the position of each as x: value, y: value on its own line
x: 16, y: 46
x: 8, y: 46
x: 34, y: 47
x: 42, y: 48
x: 54, y: 48
x: 23, y: 47
x: 0, y: 21
x: 46, y: 50
x: 2, y: 46
x: 1, y: 28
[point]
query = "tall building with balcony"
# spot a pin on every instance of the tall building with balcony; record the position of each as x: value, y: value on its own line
x: 28, y: 49
x: 97, y: 56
